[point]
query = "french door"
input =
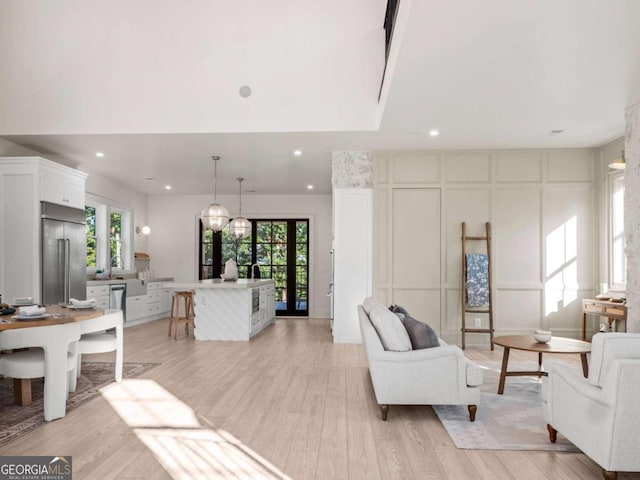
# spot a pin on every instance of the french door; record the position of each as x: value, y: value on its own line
x: 279, y: 246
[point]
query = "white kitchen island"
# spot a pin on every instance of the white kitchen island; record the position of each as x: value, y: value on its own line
x: 235, y: 310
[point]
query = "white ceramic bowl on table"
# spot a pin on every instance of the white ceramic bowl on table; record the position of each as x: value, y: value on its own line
x: 542, y: 336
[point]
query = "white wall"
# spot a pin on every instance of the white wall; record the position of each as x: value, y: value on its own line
x: 173, y: 240
x: 352, y: 219
x: 542, y: 207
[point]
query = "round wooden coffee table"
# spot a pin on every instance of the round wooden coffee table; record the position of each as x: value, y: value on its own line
x: 527, y: 343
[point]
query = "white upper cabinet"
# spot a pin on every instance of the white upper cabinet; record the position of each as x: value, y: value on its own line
x: 62, y: 187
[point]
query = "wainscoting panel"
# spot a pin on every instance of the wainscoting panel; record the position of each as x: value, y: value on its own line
x: 568, y: 229
x: 416, y: 235
x: 517, y: 166
x: 415, y: 251
x: 516, y: 229
x: 569, y: 165
x: 518, y: 311
x: 472, y: 206
x: 468, y: 167
x: 381, y: 235
x: 416, y: 167
x: 424, y: 305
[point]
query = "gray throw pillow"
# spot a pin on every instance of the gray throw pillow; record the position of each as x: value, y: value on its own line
x: 421, y: 334
x: 398, y: 309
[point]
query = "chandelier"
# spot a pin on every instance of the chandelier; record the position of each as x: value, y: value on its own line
x: 240, y: 227
x: 215, y: 216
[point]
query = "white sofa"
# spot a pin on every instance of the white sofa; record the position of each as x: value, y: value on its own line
x: 432, y: 376
x: 599, y: 414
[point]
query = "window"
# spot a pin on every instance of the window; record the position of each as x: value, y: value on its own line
x: 280, y: 247
x: 116, y: 243
x: 92, y: 241
x: 617, y: 257
x: 109, y: 235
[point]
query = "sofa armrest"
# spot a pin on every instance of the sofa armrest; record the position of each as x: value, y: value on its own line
x: 574, y: 380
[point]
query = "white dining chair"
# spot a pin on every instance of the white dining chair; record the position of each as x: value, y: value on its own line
x: 97, y: 337
x: 52, y: 355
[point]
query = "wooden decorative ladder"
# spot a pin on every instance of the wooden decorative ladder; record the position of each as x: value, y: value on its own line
x: 465, y: 307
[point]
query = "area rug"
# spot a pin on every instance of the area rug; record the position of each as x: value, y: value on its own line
x: 16, y: 421
x: 512, y: 421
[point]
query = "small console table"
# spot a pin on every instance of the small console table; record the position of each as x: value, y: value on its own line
x: 605, y: 308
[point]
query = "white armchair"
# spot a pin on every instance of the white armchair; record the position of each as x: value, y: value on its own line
x: 599, y: 414
x: 432, y: 376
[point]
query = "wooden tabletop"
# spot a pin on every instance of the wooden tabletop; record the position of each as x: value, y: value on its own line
x: 555, y: 345
x: 58, y: 316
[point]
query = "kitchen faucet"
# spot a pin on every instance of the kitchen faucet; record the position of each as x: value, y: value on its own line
x: 253, y: 271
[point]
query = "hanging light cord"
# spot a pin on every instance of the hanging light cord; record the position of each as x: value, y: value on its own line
x: 215, y: 178
x: 240, y: 179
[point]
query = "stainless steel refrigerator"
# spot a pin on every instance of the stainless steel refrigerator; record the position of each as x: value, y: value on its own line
x: 64, y: 254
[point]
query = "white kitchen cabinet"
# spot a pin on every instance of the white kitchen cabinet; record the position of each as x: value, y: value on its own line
x: 101, y: 295
x: 24, y: 182
x: 62, y: 188
x: 165, y: 299
x: 137, y: 307
x: 157, y: 302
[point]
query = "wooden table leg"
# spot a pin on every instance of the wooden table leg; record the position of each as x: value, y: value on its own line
x: 584, y: 326
x: 503, y: 372
x: 22, y: 391
x: 585, y: 365
x: 539, y: 364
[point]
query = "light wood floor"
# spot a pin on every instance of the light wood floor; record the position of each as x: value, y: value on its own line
x: 288, y: 404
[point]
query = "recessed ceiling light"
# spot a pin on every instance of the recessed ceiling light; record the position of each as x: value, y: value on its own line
x: 99, y: 154
x: 556, y: 132
x: 434, y: 132
x: 149, y: 179
x: 309, y: 187
x: 245, y: 91
x: 167, y: 187
x: 297, y: 153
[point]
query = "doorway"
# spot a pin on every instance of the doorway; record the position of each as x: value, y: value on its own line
x: 279, y: 246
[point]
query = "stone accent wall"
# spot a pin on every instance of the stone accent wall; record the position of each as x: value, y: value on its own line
x: 632, y: 215
x: 352, y: 169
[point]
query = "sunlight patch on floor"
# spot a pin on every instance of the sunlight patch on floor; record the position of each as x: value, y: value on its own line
x: 185, y: 448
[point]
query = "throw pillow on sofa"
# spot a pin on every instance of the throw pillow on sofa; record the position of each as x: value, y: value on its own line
x: 421, y: 334
x: 399, y: 309
x: 393, y: 335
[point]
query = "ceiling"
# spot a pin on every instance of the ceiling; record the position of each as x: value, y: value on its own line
x: 155, y: 85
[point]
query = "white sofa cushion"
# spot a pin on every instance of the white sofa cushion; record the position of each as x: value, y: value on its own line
x: 392, y: 333
x: 369, y: 303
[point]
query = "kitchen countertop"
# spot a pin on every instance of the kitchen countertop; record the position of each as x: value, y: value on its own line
x: 217, y: 283
x: 111, y: 281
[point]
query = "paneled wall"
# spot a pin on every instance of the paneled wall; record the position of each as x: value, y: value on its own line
x: 542, y: 207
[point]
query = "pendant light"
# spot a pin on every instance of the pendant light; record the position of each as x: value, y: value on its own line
x: 215, y: 216
x: 240, y: 227
x: 618, y: 163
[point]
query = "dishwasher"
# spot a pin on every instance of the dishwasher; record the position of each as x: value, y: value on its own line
x: 118, y: 298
